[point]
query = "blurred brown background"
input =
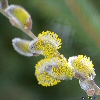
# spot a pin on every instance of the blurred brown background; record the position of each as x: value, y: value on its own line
x: 77, y: 22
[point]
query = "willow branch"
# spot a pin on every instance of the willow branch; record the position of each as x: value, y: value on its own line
x: 4, y: 5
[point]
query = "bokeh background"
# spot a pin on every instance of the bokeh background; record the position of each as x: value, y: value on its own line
x: 77, y: 22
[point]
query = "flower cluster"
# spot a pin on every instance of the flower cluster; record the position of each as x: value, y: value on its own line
x: 84, y: 71
x: 54, y: 67
x: 46, y: 44
x: 83, y: 66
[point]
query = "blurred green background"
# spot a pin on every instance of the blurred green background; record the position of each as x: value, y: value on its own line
x: 77, y: 22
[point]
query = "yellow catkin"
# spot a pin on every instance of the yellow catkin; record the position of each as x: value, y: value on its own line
x: 84, y: 66
x: 47, y: 43
x: 63, y: 70
x: 21, y: 46
x: 50, y: 71
x: 19, y: 16
x: 45, y: 79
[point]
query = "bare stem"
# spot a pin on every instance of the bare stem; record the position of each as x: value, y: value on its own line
x: 28, y: 32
